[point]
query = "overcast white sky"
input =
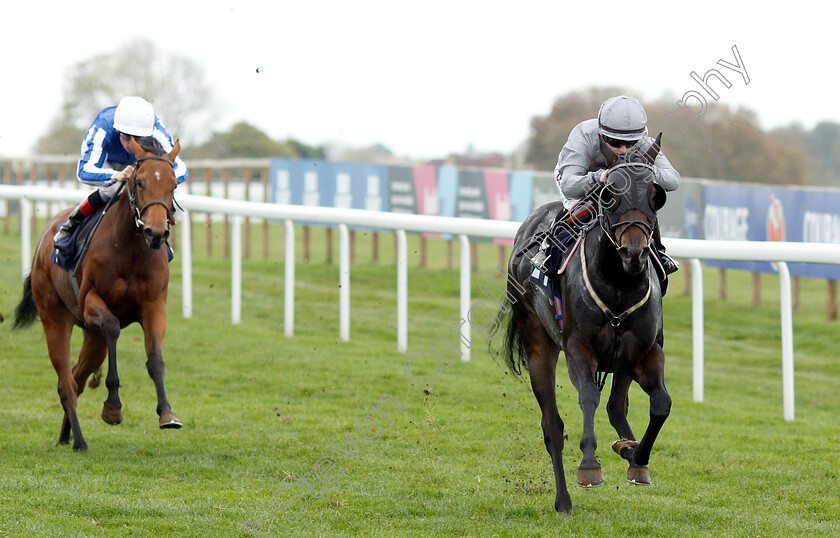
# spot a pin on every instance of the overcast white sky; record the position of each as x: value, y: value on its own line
x: 427, y: 78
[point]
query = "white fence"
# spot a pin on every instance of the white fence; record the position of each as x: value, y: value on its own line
x: 462, y: 228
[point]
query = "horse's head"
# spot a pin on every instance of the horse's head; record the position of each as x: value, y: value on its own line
x: 629, y: 202
x: 151, y: 190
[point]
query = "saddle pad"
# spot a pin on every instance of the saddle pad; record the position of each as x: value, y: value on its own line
x: 68, y: 252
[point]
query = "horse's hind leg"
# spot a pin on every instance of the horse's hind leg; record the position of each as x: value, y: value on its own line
x: 58, y: 344
x: 542, y: 364
x: 98, y: 316
x: 90, y: 359
x: 154, y: 326
x: 618, y: 405
x: 580, y: 362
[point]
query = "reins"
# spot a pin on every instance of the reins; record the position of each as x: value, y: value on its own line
x: 132, y: 194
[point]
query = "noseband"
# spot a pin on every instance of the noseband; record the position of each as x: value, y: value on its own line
x: 132, y: 194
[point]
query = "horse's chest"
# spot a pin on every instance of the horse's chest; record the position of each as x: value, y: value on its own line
x: 618, y: 347
x: 125, y: 298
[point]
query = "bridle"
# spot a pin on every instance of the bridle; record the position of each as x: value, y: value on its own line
x: 132, y: 194
x: 614, y: 232
x: 609, y: 231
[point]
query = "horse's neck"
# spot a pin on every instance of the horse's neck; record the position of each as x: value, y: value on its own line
x: 122, y: 223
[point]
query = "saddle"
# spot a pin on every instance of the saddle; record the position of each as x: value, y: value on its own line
x: 70, y: 252
x: 558, y: 243
x: 556, y: 246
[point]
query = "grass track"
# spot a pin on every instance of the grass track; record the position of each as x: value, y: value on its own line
x: 466, y: 458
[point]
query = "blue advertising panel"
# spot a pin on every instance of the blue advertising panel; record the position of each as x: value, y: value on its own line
x: 751, y: 213
x: 737, y: 213
x: 360, y: 186
x: 447, y: 183
x: 329, y: 184
x: 817, y: 220
x: 521, y: 195
x: 302, y: 182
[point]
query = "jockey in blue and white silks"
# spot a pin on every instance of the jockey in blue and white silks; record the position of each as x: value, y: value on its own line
x: 106, y: 161
x: 103, y: 155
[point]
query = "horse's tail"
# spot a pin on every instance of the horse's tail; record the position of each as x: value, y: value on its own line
x: 514, y: 309
x: 27, y: 311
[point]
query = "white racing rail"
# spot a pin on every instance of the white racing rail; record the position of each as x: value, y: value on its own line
x: 463, y: 228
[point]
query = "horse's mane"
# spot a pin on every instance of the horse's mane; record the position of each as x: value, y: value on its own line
x: 637, y: 153
x: 150, y: 144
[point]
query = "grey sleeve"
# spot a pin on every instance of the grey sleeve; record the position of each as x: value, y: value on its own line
x: 669, y: 178
x: 574, y: 166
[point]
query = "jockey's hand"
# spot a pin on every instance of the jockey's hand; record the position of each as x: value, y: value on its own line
x: 603, y: 176
x: 123, y: 174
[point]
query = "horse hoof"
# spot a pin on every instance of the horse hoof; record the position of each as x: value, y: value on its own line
x: 563, y: 508
x: 80, y: 447
x: 111, y: 416
x: 622, y: 445
x: 639, y: 475
x: 95, y: 379
x: 590, y: 478
x: 168, y: 421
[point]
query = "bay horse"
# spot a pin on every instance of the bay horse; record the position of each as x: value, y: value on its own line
x: 122, y: 279
x: 612, y: 319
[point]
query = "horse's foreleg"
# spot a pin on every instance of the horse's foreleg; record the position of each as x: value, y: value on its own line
x: 652, y: 381
x: 154, y: 326
x: 618, y: 405
x: 581, y: 363
x: 97, y: 314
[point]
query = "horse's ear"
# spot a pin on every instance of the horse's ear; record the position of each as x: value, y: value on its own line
x: 609, y: 155
x: 136, y: 149
x: 657, y: 197
x: 653, y: 151
x: 176, y: 149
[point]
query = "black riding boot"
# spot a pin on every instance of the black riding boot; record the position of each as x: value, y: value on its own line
x: 668, y: 263
x: 69, y: 226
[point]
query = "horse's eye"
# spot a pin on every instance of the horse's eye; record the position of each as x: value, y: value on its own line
x: 138, y: 184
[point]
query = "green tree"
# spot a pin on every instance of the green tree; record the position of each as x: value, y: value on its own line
x: 243, y: 140
x: 721, y: 144
x: 173, y: 84
x: 549, y: 133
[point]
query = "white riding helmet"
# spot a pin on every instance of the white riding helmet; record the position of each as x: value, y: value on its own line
x: 623, y: 118
x: 134, y: 116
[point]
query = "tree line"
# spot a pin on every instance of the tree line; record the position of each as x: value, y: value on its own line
x: 176, y: 86
x: 721, y: 144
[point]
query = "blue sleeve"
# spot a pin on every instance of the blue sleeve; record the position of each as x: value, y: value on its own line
x: 165, y: 139
x: 93, y: 167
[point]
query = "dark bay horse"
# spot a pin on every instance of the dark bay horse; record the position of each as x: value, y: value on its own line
x: 123, y: 279
x: 612, y: 308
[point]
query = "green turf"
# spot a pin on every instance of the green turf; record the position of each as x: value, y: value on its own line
x: 264, y: 415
